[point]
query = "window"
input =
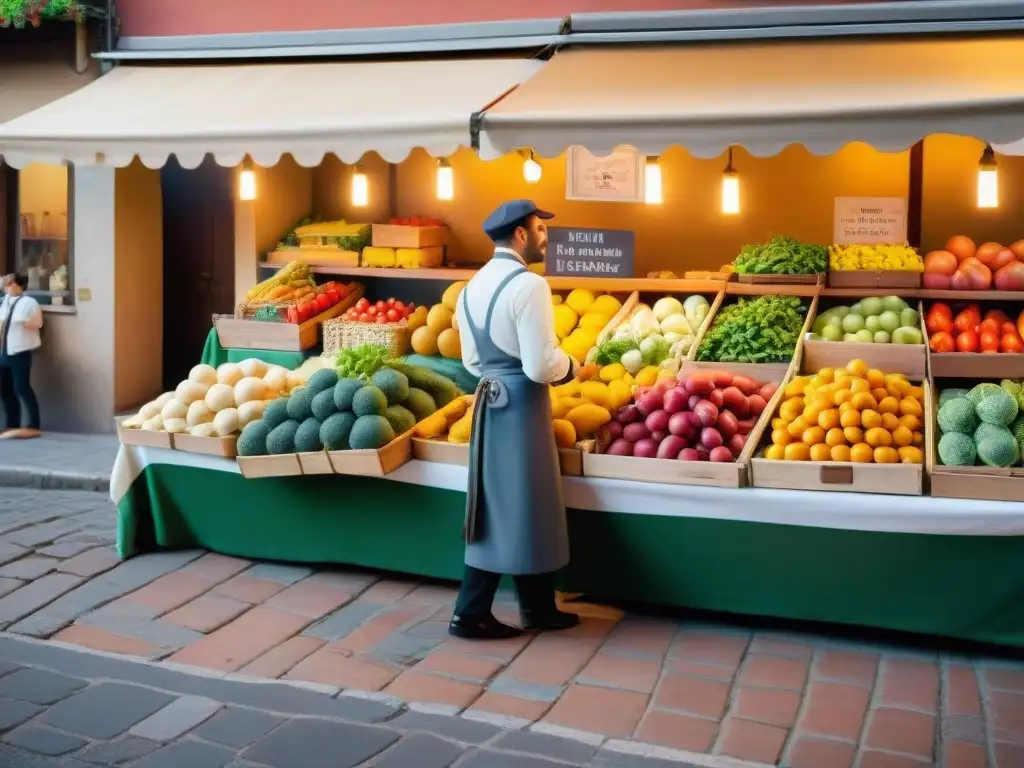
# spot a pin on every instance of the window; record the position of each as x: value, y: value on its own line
x: 38, y: 206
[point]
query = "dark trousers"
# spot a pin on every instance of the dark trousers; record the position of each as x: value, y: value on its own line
x: 536, y: 593
x: 16, y: 388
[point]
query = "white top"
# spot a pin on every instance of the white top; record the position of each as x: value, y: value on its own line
x: 25, y: 324
x: 523, y: 324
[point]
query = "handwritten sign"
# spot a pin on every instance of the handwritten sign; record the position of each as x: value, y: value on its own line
x: 616, y: 178
x: 870, y: 220
x: 589, y: 252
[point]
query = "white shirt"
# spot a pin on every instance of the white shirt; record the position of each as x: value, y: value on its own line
x: 523, y: 323
x: 26, y: 321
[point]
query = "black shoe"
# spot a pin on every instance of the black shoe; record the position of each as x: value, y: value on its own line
x: 481, y: 628
x: 551, y: 621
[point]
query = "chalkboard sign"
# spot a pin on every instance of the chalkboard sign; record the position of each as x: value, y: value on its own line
x: 589, y: 252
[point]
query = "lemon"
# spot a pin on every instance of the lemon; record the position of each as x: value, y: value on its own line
x: 565, y: 320
x: 556, y: 299
x: 580, y: 299
x: 439, y: 318
x: 606, y: 305
x: 594, y: 321
x: 612, y: 372
x: 451, y: 295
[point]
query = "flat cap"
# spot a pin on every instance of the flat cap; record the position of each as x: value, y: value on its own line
x: 510, y: 213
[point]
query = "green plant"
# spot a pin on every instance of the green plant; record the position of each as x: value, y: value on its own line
x: 761, y: 330
x: 781, y: 256
x: 22, y: 13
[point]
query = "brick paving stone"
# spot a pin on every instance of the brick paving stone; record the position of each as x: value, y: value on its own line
x: 193, y: 754
x: 345, y: 620
x: 14, y: 713
x: 835, y: 710
x: 460, y: 729
x: 961, y: 754
x: 70, y: 606
x: 9, y: 552
x: 431, y: 594
x: 546, y: 746
x: 910, y: 683
x: 43, y: 741
x: 283, y: 657
x: 206, y: 613
x: 139, y: 571
x: 248, y: 589
x: 459, y: 666
x: 552, y: 660
x: 508, y: 684
x: 6, y: 667
x: 751, y: 741
x: 962, y: 694
x: 176, y: 719
x: 698, y: 669
x: 693, y: 694
x: 236, y: 644
x: 1008, y: 755
x: 169, y: 592
x: 121, y: 750
x: 590, y: 630
x: 1004, y: 678
x: 38, y: 686
x: 677, y: 731
x: 435, y: 630
x: 964, y: 728
x: 490, y: 759
x: 773, y: 672
x: 816, y: 753
x: 774, y: 706
x: 402, y: 649
x: 870, y: 759
x: 503, y: 650
x: 640, y: 636
x: 216, y: 568
x: 511, y: 706
x: 132, y: 620
x: 336, y: 666
x: 899, y: 730
x: 386, y: 592
x: 1006, y: 711
x: 848, y: 667
x: 420, y: 750
x: 304, y: 743
x: 722, y: 649
x: 772, y: 645
x: 100, y: 640
x: 238, y: 727
x: 105, y: 710
x: 310, y: 598
x: 419, y: 687
x: 36, y: 594
x: 600, y: 710
x: 9, y: 585
x: 376, y: 629
x: 285, y: 574
x: 28, y: 568
x: 65, y: 550
x: 627, y: 672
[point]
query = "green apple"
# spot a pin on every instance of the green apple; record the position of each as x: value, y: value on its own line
x: 872, y: 306
x: 832, y: 332
x: 889, y: 320
x: 908, y: 334
x: 893, y: 304
x: 872, y: 323
x: 864, y: 336
x: 881, y: 337
x: 840, y: 311
x: 908, y: 317
x: 849, y: 337
x: 853, y: 323
x: 857, y: 309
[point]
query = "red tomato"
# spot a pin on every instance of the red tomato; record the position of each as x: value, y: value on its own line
x: 988, y: 341
x: 382, y: 319
x: 393, y: 315
x: 1008, y: 327
x: 937, y: 321
x: 293, y: 315
x: 381, y: 305
x: 399, y: 306
x: 391, y: 302
x: 365, y: 318
x: 1011, y: 342
x: 362, y: 304
x: 991, y: 325
x: 334, y: 296
x: 966, y: 321
x: 372, y: 311
x: 941, y: 308
x: 942, y: 342
x: 967, y: 341
x: 996, y: 314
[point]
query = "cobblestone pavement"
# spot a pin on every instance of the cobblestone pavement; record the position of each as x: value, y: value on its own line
x: 73, y: 462
x: 698, y: 693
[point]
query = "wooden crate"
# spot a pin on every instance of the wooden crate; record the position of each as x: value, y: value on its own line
x: 315, y: 463
x: 871, y: 279
x: 909, y: 359
x: 255, y: 467
x: 319, y: 257
x: 373, y: 463
x: 442, y: 452
x: 808, y: 279
x: 236, y: 333
x: 975, y: 365
x: 404, y: 236
x: 211, y: 446
x: 143, y: 437
x: 720, y: 474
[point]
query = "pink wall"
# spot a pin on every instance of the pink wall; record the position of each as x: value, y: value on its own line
x: 144, y: 18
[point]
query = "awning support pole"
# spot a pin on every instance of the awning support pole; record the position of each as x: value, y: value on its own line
x: 475, y: 123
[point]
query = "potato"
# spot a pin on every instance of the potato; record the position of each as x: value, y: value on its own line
x: 248, y: 412
x: 203, y: 374
x: 219, y: 397
x: 149, y: 410
x: 156, y: 424
x: 175, y: 409
x: 203, y: 430
x: 175, y: 426
x: 229, y: 373
x: 199, y: 413
x: 253, y: 367
x: 164, y: 399
x: 226, y: 422
x: 189, y: 391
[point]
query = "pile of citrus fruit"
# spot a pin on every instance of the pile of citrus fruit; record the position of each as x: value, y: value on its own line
x: 856, y: 413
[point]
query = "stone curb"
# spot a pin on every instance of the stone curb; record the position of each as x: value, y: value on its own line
x: 19, y: 477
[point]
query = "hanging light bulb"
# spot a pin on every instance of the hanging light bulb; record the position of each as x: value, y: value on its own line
x: 445, y: 180
x: 247, y: 181
x: 652, y: 182
x: 531, y: 169
x: 360, y: 188
x: 730, y: 189
x: 988, y: 180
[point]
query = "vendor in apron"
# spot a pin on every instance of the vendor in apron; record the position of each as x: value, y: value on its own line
x: 515, y: 517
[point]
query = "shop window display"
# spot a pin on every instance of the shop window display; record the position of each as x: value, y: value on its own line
x: 39, y: 211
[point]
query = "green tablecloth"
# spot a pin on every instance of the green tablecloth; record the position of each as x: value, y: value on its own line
x: 214, y: 354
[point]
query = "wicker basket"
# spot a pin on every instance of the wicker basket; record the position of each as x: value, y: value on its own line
x: 341, y: 333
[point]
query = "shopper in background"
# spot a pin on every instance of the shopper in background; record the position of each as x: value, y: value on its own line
x: 515, y: 517
x: 20, y: 322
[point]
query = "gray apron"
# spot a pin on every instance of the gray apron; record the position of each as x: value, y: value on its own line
x: 515, y: 517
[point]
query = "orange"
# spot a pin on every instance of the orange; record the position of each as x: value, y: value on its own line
x: 797, y: 452
x: 917, y: 393
x: 863, y: 401
x: 875, y: 378
x: 842, y: 396
x: 885, y: 455
x: 901, y: 437
x: 910, y: 422
x: 853, y: 435
x: 878, y: 436
x: 821, y: 452
x: 424, y: 340
x: 449, y: 344
x: 781, y: 437
x: 813, y: 435
x: 827, y: 375
x: 797, y: 427
x: 870, y: 419
x: 918, y: 439
x: 847, y: 406
x: 792, y: 408
x: 840, y: 453
x: 890, y: 421
x: 859, y: 385
x: 862, y: 453
x: 850, y: 418
x: 835, y: 437
x: 910, y: 407
x: 824, y: 400
x: 775, y: 452
x: 857, y: 368
x: 889, y: 405
x: 811, y: 414
x: 796, y: 387
x: 779, y: 423
x: 879, y: 393
x: 828, y: 419
x: 910, y: 455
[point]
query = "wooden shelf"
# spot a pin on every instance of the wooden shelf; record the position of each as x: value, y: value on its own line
x: 398, y: 274
x: 924, y: 293
x: 641, y: 284
x: 808, y: 290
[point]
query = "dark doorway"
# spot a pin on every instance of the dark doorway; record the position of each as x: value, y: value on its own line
x: 199, y: 260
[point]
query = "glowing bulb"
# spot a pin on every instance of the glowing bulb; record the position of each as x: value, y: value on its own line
x: 360, y: 188
x: 652, y: 182
x: 531, y: 170
x: 445, y: 180
x: 730, y: 189
x: 247, y: 183
x: 988, y: 180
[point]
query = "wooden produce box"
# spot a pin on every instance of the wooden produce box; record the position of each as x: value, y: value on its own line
x: 143, y: 437
x: 806, y: 279
x: 373, y: 463
x: 909, y: 359
x: 443, y: 452
x: 318, y: 256
x: 255, y: 467
x: 874, y: 278
x: 315, y: 463
x: 211, y: 446
x: 846, y: 476
x: 236, y: 333
x: 976, y: 365
x: 720, y: 474
x: 405, y: 236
